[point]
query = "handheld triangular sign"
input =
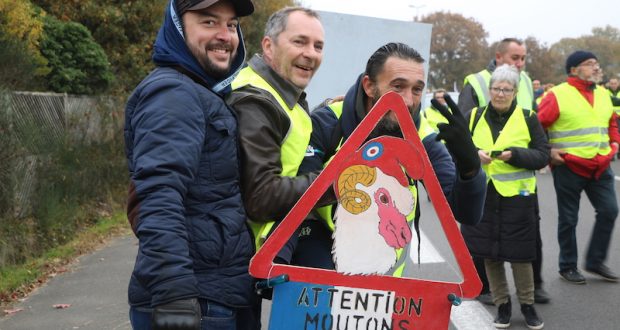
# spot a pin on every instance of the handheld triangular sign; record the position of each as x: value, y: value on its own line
x: 355, y: 295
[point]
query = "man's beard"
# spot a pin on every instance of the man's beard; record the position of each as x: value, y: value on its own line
x: 211, y: 69
x: 387, y: 126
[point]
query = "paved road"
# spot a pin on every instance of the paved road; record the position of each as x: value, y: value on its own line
x: 96, y: 287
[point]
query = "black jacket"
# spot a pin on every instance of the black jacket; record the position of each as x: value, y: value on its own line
x: 508, y: 227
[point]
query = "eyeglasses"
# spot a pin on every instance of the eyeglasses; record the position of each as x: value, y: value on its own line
x: 505, y: 91
x: 592, y: 64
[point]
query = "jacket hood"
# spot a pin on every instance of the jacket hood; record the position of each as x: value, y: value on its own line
x: 170, y: 50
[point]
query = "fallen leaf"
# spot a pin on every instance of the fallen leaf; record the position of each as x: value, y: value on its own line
x: 61, y: 306
x: 12, y: 311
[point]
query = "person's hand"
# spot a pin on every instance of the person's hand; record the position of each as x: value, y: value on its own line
x: 505, y: 155
x: 458, y: 138
x: 183, y: 314
x: 556, y: 157
x: 484, y: 157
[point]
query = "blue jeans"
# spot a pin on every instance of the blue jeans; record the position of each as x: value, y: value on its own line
x: 214, y: 317
x: 602, y: 195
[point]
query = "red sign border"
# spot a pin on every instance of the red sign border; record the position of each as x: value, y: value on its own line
x: 262, y: 266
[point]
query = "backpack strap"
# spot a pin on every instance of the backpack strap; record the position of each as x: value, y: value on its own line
x: 477, y: 116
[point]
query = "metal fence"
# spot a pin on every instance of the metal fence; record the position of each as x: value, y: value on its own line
x: 41, y: 119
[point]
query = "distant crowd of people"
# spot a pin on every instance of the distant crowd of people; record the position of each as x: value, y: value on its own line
x: 521, y: 126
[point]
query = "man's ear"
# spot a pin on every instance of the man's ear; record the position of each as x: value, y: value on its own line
x: 267, y: 49
x: 368, y: 86
x: 498, y: 56
x: 573, y: 71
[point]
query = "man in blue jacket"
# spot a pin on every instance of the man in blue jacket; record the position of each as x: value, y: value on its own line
x: 393, y: 67
x: 184, y: 201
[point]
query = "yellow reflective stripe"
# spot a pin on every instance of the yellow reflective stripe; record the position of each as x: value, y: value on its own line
x: 484, y: 86
x: 578, y: 132
x: 513, y: 176
x: 566, y: 145
x: 525, y: 96
x: 480, y: 84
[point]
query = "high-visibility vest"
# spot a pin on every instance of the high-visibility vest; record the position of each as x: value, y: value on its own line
x: 434, y: 117
x: 508, y: 180
x: 581, y: 129
x: 480, y: 83
x: 326, y: 211
x: 616, y: 95
x: 294, y: 145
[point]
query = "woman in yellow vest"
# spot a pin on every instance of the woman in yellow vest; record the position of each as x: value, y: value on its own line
x: 512, y: 145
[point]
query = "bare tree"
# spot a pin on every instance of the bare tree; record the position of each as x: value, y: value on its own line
x: 458, y: 47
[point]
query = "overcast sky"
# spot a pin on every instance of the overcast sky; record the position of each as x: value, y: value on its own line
x: 548, y: 21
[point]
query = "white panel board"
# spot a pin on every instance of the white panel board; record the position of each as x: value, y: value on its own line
x: 349, y: 42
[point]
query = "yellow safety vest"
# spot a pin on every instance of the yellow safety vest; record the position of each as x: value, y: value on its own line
x: 326, y: 211
x: 434, y: 117
x: 617, y: 95
x: 294, y: 145
x: 581, y: 129
x: 480, y: 83
x: 508, y: 180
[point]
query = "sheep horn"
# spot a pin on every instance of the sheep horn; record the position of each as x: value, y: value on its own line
x: 352, y: 199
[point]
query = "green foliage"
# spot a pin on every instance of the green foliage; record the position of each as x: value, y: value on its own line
x: 19, y: 278
x: 21, y: 28
x: 125, y: 29
x: 79, y: 65
x: 75, y: 179
x: 18, y: 67
x: 7, y: 155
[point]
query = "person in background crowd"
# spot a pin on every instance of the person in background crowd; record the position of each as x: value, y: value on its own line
x: 431, y: 114
x: 583, y: 132
x: 184, y: 201
x: 538, y: 92
x: 614, y: 91
x: 511, y: 146
x: 475, y: 94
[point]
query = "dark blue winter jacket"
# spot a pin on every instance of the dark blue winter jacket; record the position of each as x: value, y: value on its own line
x: 184, y: 202
x: 466, y: 197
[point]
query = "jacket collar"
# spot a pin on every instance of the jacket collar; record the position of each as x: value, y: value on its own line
x: 290, y: 93
x: 501, y: 117
x: 581, y: 85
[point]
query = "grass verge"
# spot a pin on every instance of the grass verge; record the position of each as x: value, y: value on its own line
x: 18, y: 281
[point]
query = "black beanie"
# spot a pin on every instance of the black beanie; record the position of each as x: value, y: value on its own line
x: 577, y: 58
